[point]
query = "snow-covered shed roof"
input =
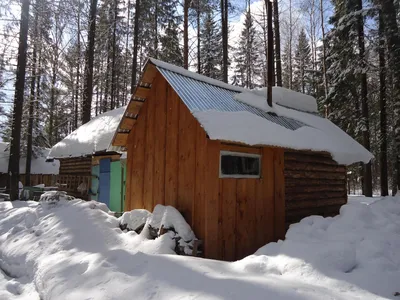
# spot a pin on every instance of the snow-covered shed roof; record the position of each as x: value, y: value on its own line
x: 92, y: 137
x: 235, y: 114
x: 39, y: 165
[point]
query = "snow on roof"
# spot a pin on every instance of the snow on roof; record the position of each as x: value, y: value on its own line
x: 38, y: 164
x: 94, y: 136
x: 282, y: 96
x: 319, y: 134
x: 224, y: 117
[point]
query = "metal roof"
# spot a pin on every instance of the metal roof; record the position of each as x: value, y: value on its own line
x: 202, y: 96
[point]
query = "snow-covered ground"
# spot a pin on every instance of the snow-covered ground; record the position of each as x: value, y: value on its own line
x: 75, y: 250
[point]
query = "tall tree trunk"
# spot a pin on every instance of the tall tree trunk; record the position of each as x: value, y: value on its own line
x: 38, y: 83
x: 53, y: 98
x: 156, y: 29
x: 270, y: 62
x: 114, y: 51
x: 125, y: 85
x: 89, y: 59
x: 15, y: 145
x: 198, y: 38
x: 186, y: 6
x: 224, y: 20
x: 31, y: 105
x: 393, y: 46
x: 77, y: 92
x: 364, y: 101
x: 290, y: 46
x: 382, y: 108
x: 323, y: 49
x: 278, y: 61
x: 135, y: 46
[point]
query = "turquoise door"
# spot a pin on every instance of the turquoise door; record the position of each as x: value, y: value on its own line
x: 104, y: 181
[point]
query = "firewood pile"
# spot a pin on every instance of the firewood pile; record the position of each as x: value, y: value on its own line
x: 163, y: 220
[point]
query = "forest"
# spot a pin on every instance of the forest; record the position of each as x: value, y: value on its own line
x: 64, y: 62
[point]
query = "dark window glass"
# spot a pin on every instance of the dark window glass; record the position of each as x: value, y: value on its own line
x: 239, y: 165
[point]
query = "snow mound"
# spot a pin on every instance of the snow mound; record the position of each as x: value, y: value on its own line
x: 96, y: 135
x: 134, y: 219
x: 360, y: 243
x: 169, y: 217
x: 76, y: 249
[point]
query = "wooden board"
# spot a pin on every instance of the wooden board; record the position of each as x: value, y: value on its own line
x: 134, y: 194
x: 142, y: 92
x: 120, y: 139
x: 187, y: 162
x: 129, y: 175
x: 160, y: 141
x: 212, y: 199
x: 171, y: 148
x: 228, y: 223
x: 201, y: 175
x: 265, y: 200
x: 238, y: 148
x: 149, y: 73
x: 149, y: 151
x: 127, y: 123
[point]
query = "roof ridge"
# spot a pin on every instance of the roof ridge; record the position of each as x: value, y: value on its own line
x: 196, y: 76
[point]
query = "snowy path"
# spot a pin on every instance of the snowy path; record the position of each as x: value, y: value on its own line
x: 76, y: 251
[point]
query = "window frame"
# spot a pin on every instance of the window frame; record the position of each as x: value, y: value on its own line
x: 240, y: 154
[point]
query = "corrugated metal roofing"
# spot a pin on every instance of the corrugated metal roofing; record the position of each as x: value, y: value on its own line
x: 217, y: 98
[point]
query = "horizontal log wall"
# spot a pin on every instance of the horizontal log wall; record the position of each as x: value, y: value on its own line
x: 70, y: 183
x: 76, y: 166
x: 314, y: 185
x: 73, y: 172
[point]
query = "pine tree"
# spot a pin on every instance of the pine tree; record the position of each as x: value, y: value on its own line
x: 248, y: 70
x: 302, y: 65
x: 170, y: 50
x: 210, y: 49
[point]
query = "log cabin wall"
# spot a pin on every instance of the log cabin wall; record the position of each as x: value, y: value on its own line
x: 73, y: 172
x: 314, y: 185
x: 172, y: 162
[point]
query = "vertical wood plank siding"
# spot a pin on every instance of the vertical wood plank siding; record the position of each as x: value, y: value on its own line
x: 314, y: 185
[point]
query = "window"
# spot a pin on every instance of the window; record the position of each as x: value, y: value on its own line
x: 239, y: 165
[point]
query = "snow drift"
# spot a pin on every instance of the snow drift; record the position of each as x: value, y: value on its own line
x: 75, y: 250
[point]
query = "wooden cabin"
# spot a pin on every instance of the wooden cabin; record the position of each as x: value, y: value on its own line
x: 88, y: 168
x: 238, y: 174
x: 42, y: 171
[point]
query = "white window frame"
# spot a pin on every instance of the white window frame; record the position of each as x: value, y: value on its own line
x: 241, y: 154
